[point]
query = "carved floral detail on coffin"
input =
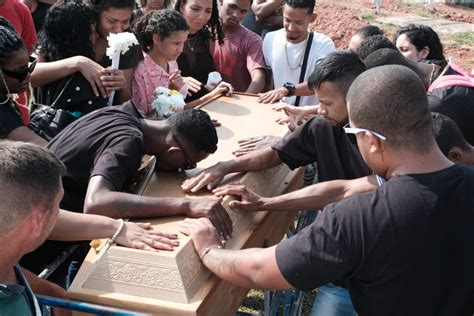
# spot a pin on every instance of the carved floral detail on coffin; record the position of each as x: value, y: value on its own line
x: 153, y: 276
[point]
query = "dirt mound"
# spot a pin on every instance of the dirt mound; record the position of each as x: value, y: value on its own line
x: 339, y: 20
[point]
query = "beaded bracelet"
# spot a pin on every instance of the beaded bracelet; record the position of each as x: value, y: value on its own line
x: 206, y: 250
x: 119, y: 230
x: 97, y: 245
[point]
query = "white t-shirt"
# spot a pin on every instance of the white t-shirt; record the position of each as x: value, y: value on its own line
x: 275, y: 59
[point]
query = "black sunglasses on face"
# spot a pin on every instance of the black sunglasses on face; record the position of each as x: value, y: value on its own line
x: 20, y: 76
x: 189, y: 163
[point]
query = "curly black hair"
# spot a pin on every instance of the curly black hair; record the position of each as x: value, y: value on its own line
x: 373, y: 43
x: 196, y: 127
x: 213, y: 28
x: 101, y: 5
x: 160, y: 22
x: 67, y: 31
x: 10, y: 41
x: 423, y: 36
x: 368, y: 30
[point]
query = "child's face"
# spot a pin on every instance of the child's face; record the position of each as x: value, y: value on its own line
x: 172, y: 46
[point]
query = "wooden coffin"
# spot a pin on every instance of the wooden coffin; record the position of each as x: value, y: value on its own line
x: 176, y: 283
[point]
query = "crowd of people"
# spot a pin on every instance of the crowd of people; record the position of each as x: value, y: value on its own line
x: 388, y: 123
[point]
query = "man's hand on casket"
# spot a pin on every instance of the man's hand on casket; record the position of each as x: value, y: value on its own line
x: 142, y: 236
x: 251, y: 144
x: 272, y: 96
x: 212, y: 209
x: 248, y: 201
x: 209, y: 177
x: 203, y: 233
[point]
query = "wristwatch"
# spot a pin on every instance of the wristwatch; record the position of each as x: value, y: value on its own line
x: 290, y: 87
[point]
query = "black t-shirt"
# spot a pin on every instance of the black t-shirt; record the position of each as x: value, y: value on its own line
x: 335, y: 154
x: 405, y: 248
x: 196, y: 61
x: 10, y: 118
x: 106, y: 142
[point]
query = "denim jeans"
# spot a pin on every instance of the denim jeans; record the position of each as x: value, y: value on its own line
x: 333, y: 300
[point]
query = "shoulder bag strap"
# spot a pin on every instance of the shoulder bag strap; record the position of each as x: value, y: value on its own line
x: 59, y: 95
x: 305, y: 63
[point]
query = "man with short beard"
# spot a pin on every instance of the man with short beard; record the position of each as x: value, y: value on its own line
x: 284, y: 52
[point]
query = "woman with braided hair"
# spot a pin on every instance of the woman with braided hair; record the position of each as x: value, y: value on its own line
x: 15, y: 70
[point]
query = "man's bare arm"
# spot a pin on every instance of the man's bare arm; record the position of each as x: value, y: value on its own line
x: 254, y: 268
x: 103, y: 199
x: 319, y: 195
x: 258, y: 81
x: 251, y: 268
x: 265, y: 8
x: 258, y: 160
x: 313, y: 197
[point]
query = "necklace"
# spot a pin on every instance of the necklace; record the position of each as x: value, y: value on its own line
x: 191, y: 42
x: 298, y: 65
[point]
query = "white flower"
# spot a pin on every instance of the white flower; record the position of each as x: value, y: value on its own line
x: 167, y: 102
x: 120, y: 43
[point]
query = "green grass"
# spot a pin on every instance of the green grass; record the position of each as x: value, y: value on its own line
x: 254, y: 303
x: 369, y: 17
x: 389, y: 28
x: 458, y: 40
x: 427, y: 14
x: 464, y: 38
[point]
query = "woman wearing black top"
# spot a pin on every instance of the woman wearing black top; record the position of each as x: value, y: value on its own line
x: 113, y: 16
x: 205, y: 31
x: 15, y: 71
x: 59, y: 43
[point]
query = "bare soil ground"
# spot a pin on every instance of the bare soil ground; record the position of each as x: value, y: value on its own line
x: 340, y: 20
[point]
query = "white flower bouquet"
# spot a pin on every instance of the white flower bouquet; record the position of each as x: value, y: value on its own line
x: 167, y: 102
x: 119, y: 43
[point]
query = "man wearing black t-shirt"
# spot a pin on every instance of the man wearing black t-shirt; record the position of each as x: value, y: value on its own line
x: 404, y: 248
x: 103, y: 150
x: 320, y: 140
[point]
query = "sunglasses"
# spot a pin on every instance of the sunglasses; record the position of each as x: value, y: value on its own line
x: 355, y: 130
x: 20, y: 76
x: 189, y: 163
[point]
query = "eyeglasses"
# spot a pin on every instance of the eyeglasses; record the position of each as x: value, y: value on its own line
x: 189, y: 163
x: 355, y: 130
x: 20, y: 76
